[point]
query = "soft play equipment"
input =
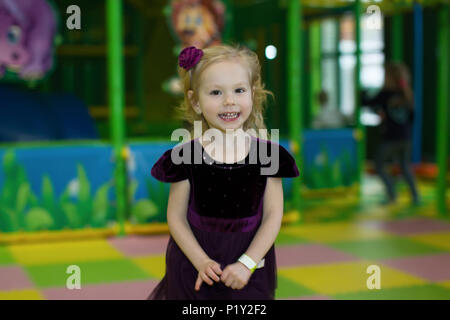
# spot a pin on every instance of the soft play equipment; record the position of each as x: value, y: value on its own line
x: 198, y: 23
x: 27, y: 30
x: 26, y: 115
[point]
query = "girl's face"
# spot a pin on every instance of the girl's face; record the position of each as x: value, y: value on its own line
x: 224, y: 95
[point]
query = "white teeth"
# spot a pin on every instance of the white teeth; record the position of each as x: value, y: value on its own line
x: 229, y: 115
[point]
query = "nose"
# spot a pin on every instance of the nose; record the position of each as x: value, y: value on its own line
x: 229, y: 100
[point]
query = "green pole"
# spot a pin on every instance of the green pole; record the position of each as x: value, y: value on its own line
x: 337, y: 68
x: 294, y: 74
x: 268, y: 70
x: 314, y: 55
x: 228, y: 32
x: 397, y: 38
x: 360, y: 129
x: 443, y: 105
x: 139, y: 81
x: 116, y: 102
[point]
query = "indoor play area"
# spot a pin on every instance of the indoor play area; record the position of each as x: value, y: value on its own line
x: 88, y: 97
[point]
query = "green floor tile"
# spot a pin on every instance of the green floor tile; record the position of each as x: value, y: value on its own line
x: 290, y: 289
x: 385, y: 248
x: 91, y: 273
x: 284, y: 239
x: 5, y: 256
x: 426, y: 292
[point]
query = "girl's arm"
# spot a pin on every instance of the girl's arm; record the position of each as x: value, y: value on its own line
x: 271, y: 221
x: 178, y: 225
x: 237, y: 275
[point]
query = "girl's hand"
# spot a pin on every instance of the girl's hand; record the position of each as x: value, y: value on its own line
x: 236, y: 275
x: 208, y: 270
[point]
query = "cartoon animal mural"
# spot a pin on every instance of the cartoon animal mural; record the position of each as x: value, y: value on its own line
x: 196, y: 23
x: 27, y: 31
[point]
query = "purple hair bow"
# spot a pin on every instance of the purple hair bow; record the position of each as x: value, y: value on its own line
x: 189, y: 57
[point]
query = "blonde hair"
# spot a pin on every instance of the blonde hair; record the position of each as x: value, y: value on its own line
x: 190, y: 80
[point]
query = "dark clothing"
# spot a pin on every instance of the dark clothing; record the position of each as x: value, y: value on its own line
x: 400, y: 151
x: 225, y: 211
x: 396, y: 131
x: 399, y: 114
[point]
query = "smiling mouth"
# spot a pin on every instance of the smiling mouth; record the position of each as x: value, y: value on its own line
x: 229, y: 116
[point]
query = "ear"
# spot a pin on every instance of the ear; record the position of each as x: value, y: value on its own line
x: 195, y: 105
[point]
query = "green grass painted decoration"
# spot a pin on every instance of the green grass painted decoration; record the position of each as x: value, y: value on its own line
x: 75, y: 208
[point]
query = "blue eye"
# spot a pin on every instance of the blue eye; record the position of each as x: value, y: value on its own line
x: 188, y: 19
x: 14, y: 33
x: 199, y: 20
x: 240, y: 90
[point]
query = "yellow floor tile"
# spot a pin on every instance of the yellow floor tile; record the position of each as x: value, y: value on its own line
x: 445, y: 284
x: 346, y: 277
x: 21, y: 295
x: 331, y: 232
x: 49, y: 253
x: 154, y: 265
x: 440, y: 240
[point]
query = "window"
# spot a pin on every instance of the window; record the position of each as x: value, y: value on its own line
x: 338, y: 60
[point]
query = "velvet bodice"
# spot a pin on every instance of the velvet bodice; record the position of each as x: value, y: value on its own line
x: 223, y: 190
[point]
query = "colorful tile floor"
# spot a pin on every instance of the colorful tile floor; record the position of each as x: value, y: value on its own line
x: 316, y: 260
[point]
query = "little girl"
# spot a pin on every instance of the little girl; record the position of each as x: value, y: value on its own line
x: 223, y: 215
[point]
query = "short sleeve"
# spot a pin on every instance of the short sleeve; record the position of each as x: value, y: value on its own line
x: 287, y: 166
x: 166, y: 171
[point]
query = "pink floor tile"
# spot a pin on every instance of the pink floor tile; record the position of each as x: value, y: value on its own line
x: 112, y: 291
x: 14, y: 278
x: 141, y: 245
x: 415, y: 226
x: 434, y: 267
x: 305, y: 254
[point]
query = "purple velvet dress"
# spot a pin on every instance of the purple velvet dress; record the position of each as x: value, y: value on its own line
x: 225, y: 210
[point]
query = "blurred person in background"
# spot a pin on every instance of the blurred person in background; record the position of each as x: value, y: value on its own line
x: 328, y: 116
x: 395, y: 105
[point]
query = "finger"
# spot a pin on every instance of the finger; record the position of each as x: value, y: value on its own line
x: 229, y: 282
x: 241, y: 285
x: 238, y: 285
x: 207, y: 279
x: 224, y: 276
x: 210, y: 272
x: 198, y: 283
x: 217, y: 269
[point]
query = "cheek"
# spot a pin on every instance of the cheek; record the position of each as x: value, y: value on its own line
x: 210, y: 105
x: 246, y: 101
x: 210, y: 101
